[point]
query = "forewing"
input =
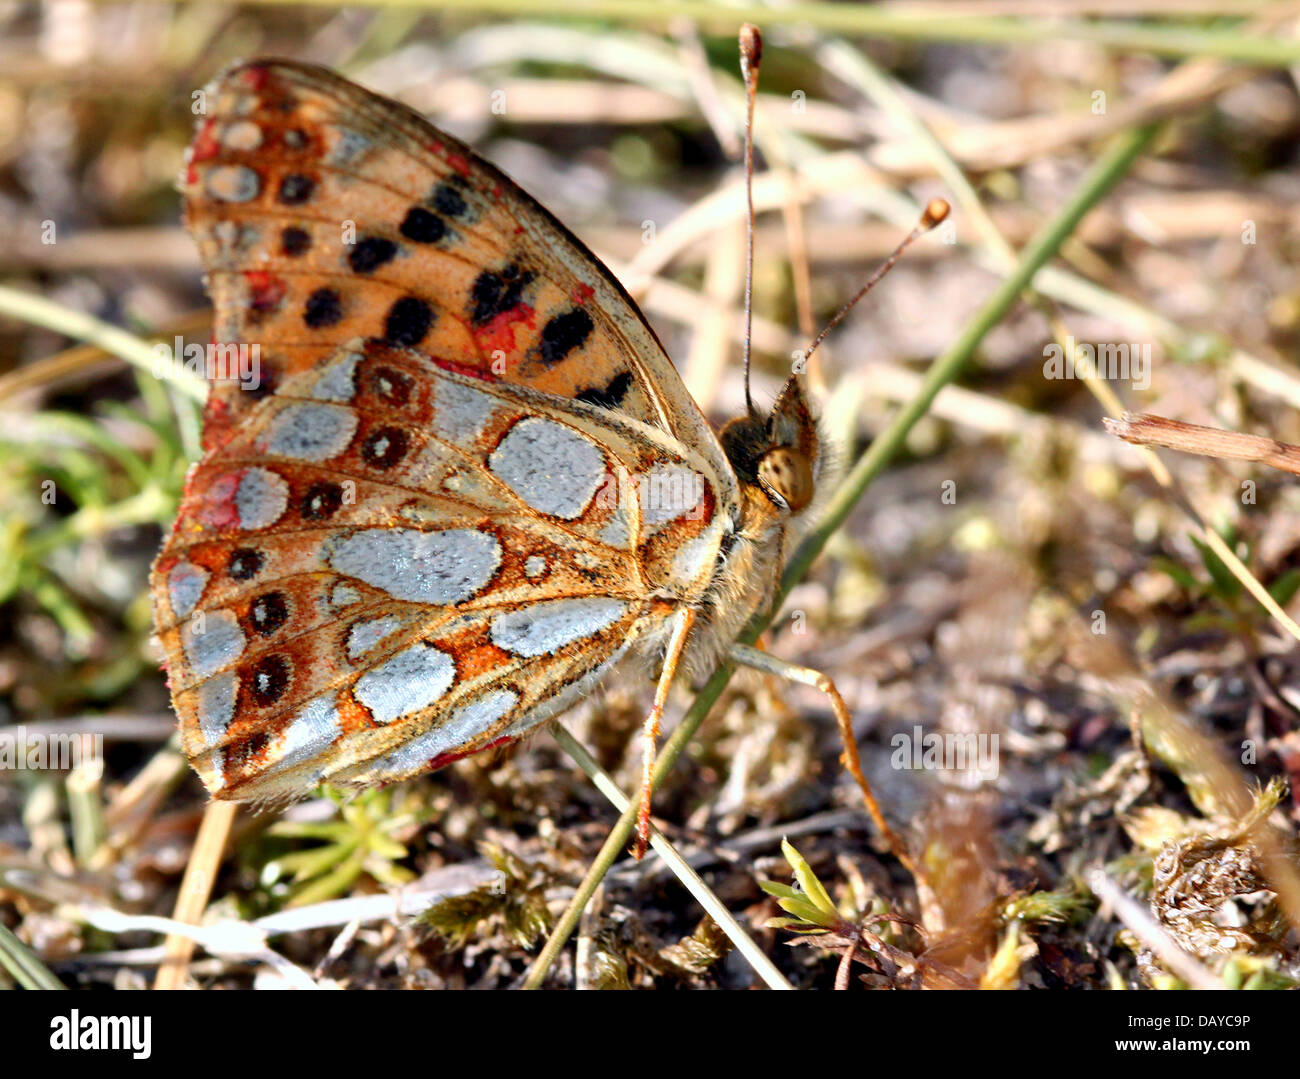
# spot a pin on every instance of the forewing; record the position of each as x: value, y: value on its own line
x: 324, y: 212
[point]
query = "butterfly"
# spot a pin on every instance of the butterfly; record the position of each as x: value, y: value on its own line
x: 466, y: 481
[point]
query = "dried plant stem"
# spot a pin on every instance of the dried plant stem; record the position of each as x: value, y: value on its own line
x: 1150, y: 933
x: 691, y: 880
x: 86, y: 808
x: 1143, y: 429
x: 845, y: 970
x: 196, y: 886
x: 1094, y: 187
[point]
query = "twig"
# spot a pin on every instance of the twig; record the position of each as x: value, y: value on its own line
x: 196, y: 886
x: 1143, y: 429
x: 845, y: 969
x: 1149, y: 932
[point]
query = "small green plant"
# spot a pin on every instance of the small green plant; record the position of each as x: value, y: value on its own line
x: 1060, y: 907
x: 810, y: 905
x: 71, y: 483
x: 821, y: 924
x: 1229, y: 606
x: 363, y: 840
x: 1255, y: 972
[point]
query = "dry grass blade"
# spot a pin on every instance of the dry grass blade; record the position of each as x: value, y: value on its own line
x: 196, y: 887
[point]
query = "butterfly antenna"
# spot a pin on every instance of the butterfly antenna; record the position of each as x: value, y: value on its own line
x: 935, y: 212
x: 751, y: 55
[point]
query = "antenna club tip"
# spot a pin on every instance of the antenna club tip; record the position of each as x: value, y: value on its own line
x: 936, y: 210
x: 751, y: 48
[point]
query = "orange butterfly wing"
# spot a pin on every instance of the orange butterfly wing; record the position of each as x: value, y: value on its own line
x: 467, y: 480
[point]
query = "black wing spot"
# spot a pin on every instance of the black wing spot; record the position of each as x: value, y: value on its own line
x: 394, y: 387
x: 269, y: 613
x: 562, y: 334
x: 264, y: 386
x: 323, y: 308
x: 408, y: 321
x: 244, y: 564
x: 423, y: 227
x: 612, y: 395
x: 269, y: 679
x: 321, y: 501
x: 295, y: 189
x: 385, y: 447
x: 447, y: 200
x: 369, y: 254
x: 494, y: 293
x: 295, y: 241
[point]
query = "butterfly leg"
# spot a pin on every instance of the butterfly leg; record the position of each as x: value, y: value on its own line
x: 769, y: 664
x: 650, y: 731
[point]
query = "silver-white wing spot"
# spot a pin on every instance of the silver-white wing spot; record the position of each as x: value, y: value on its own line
x: 349, y: 147
x: 695, y: 557
x: 462, y: 725
x: 232, y: 183
x: 363, y: 636
x: 413, y: 679
x: 344, y: 595
x: 311, y: 431
x: 185, y: 584
x: 668, y: 491
x: 616, y: 532
x: 461, y: 412
x: 551, y: 467
x: 311, y: 731
x: 444, y: 568
x: 211, y: 642
x: 216, y: 705
x: 260, y: 498
x: 337, y: 380
x: 560, y: 701
x: 241, y: 135
x: 541, y: 628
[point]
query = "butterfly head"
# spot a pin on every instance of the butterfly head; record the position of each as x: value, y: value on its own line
x: 780, y: 456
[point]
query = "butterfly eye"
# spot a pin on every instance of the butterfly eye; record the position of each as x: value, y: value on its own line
x: 786, y: 476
